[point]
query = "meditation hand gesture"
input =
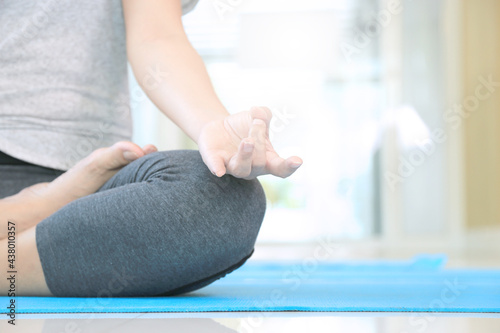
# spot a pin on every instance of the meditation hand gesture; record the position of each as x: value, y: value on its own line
x: 239, y: 145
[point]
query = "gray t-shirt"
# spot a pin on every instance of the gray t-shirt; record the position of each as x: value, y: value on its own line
x: 63, y: 79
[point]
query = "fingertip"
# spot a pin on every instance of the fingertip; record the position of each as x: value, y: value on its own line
x: 127, y: 146
x: 130, y: 156
x: 149, y: 148
x: 295, y: 162
x: 219, y: 173
x: 261, y: 112
x: 284, y: 168
x: 293, y: 166
x: 259, y: 122
x: 217, y: 167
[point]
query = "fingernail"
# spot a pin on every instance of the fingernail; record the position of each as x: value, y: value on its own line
x: 258, y: 121
x: 130, y: 156
x: 295, y: 165
x: 247, y: 147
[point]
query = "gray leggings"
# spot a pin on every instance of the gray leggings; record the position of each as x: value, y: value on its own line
x: 13, y: 178
x: 163, y: 225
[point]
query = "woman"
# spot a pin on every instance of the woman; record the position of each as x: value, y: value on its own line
x: 123, y: 220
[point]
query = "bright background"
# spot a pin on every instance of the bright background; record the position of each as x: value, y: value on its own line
x: 359, y: 89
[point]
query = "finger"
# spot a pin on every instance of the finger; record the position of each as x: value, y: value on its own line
x: 264, y: 113
x: 261, y: 112
x: 149, y: 148
x: 258, y: 135
x: 215, y: 164
x: 130, y: 150
x: 240, y: 164
x: 284, y: 168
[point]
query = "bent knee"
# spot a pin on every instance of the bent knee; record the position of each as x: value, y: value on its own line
x: 187, y: 166
x: 235, y: 207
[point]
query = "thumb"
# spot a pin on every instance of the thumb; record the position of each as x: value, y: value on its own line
x: 215, y: 164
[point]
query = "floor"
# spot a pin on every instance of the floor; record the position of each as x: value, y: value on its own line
x: 257, y: 322
x: 372, y: 322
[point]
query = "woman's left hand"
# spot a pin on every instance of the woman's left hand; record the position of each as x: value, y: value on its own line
x: 239, y: 145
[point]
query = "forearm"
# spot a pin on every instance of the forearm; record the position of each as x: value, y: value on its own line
x: 174, y: 77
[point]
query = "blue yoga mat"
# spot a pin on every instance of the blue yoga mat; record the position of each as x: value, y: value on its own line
x: 420, y: 285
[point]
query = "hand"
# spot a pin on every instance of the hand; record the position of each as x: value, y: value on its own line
x: 239, y: 145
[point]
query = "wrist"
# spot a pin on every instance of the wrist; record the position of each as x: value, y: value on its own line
x: 208, y: 119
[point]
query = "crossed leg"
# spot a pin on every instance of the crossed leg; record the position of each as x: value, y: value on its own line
x: 20, y: 213
x: 162, y: 225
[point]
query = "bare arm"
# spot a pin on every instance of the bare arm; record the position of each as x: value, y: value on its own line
x: 174, y: 77
x: 167, y: 67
